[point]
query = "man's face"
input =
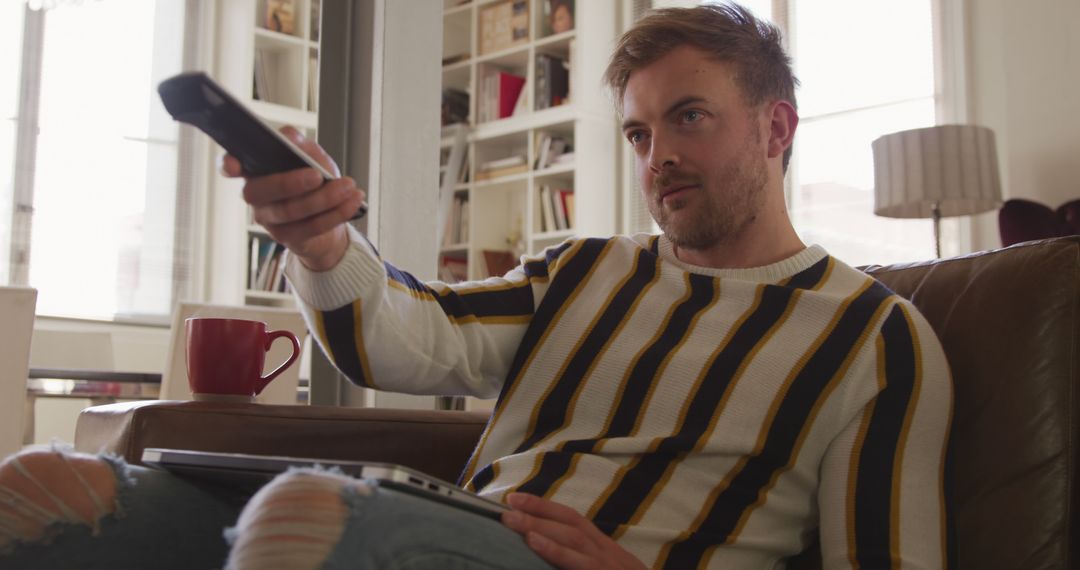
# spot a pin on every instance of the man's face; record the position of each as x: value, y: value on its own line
x: 699, y: 151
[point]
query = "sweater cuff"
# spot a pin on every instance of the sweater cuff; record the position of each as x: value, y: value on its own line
x: 359, y: 269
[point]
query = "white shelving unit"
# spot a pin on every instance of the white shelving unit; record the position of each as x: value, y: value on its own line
x: 505, y: 212
x: 268, y: 57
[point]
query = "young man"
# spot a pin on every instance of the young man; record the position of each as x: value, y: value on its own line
x: 716, y: 396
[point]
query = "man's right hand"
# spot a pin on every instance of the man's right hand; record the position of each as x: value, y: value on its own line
x: 299, y: 209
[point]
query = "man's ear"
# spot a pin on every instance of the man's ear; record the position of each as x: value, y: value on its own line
x: 783, y: 120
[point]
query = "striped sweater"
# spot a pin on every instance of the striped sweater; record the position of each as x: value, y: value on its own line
x: 709, y: 418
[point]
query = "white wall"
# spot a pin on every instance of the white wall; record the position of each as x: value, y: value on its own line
x: 1024, y: 77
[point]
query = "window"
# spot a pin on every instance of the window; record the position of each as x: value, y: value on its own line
x: 90, y: 160
x: 866, y: 69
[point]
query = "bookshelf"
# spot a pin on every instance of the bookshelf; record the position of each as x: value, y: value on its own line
x: 539, y: 161
x: 269, y: 59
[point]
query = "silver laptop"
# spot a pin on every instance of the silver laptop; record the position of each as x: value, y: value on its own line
x: 252, y: 471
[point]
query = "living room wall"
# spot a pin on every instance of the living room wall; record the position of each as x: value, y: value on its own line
x: 1024, y: 83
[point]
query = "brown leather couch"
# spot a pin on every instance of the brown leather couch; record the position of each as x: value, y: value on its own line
x: 1009, y: 320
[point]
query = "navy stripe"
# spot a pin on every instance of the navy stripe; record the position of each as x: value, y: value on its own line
x: 563, y: 284
x: 654, y: 247
x: 952, y: 558
x: 633, y: 490
x: 787, y: 425
x: 553, y: 410
x: 810, y: 276
x: 874, y: 483
x: 552, y: 415
x: 341, y: 333
x: 508, y: 302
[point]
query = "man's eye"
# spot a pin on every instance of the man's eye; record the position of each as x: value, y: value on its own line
x: 635, y: 137
x: 692, y: 116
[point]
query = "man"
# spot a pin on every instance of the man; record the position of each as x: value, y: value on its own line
x: 715, y: 396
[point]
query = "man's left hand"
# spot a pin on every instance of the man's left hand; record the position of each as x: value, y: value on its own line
x: 563, y: 537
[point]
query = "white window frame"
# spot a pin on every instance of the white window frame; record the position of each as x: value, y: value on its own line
x: 195, y: 168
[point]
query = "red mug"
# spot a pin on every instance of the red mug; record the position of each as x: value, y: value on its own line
x: 225, y: 357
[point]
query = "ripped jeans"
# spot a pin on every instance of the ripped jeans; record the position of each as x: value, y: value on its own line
x: 60, y: 509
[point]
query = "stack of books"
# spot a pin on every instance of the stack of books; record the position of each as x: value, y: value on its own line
x: 556, y: 209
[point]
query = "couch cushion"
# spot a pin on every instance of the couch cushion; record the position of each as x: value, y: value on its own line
x: 1009, y: 321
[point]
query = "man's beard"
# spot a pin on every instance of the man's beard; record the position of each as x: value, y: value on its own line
x: 721, y: 213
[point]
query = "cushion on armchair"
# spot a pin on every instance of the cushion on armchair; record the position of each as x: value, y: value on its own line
x: 1024, y: 220
x: 435, y: 442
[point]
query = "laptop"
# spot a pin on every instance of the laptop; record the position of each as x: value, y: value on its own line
x: 249, y: 472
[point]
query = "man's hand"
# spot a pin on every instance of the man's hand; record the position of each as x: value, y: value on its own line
x: 299, y: 209
x: 563, y: 537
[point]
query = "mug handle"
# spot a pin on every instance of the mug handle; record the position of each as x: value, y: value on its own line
x: 270, y: 337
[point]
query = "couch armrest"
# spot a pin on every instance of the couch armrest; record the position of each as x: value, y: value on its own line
x: 435, y: 442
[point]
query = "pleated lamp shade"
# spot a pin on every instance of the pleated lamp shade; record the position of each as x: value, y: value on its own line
x: 951, y: 168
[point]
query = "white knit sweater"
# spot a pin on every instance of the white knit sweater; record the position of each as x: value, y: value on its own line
x: 703, y: 417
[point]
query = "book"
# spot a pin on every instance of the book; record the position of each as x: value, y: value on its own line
x: 501, y: 172
x: 552, y: 81
x: 262, y: 82
x: 313, y: 82
x: 543, y: 146
x: 510, y: 87
x: 559, y: 208
x: 547, y: 213
x: 253, y: 262
x: 568, y: 201
x: 503, y: 162
x: 522, y: 105
x: 499, y: 262
x: 315, y: 22
x: 455, y: 106
x: 566, y: 208
x: 453, y: 269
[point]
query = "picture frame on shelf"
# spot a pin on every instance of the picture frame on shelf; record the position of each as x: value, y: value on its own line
x: 281, y: 16
x: 557, y: 17
x: 504, y: 25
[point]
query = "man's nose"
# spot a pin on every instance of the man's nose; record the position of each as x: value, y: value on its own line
x: 662, y: 156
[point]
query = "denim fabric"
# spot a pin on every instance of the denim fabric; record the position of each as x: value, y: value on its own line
x: 390, y: 530
x: 168, y: 522
x: 165, y: 523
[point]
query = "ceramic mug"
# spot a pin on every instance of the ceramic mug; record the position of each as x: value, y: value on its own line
x: 225, y: 357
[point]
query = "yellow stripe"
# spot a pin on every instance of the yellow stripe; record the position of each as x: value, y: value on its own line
x: 700, y: 519
x: 812, y: 417
x: 619, y: 474
x: 942, y: 474
x: 898, y: 462
x: 856, y: 454
x: 634, y: 362
x: 667, y: 358
x: 320, y: 333
x: 534, y: 417
x: 825, y: 276
x: 658, y: 273
x: 572, y: 251
x: 360, y: 352
x: 655, y: 492
x: 565, y: 477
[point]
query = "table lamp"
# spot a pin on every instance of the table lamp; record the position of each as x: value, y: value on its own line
x: 935, y: 172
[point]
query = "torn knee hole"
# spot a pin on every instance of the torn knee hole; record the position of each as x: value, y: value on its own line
x: 293, y: 522
x: 43, y: 487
